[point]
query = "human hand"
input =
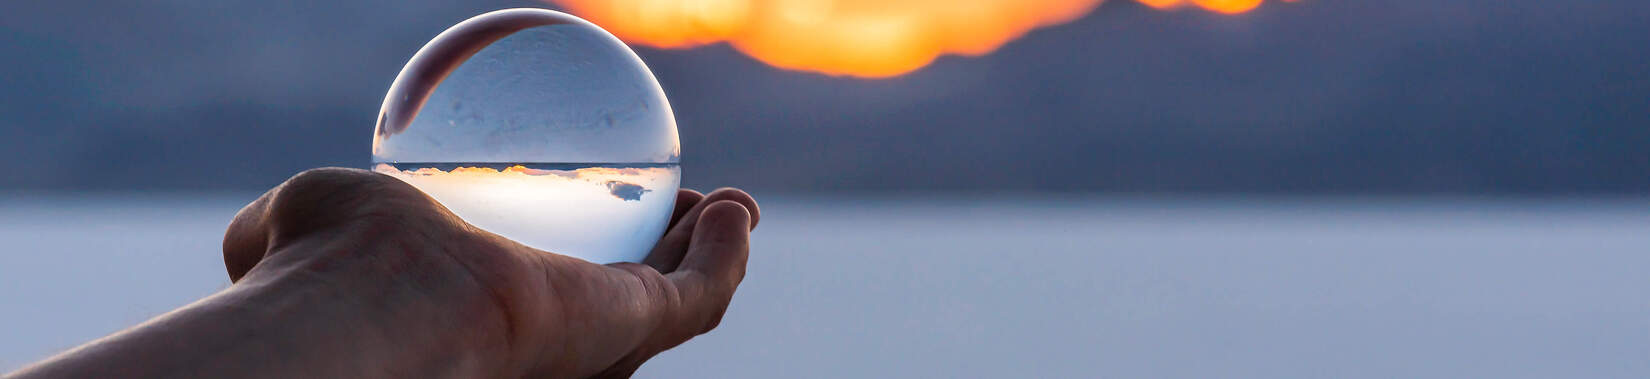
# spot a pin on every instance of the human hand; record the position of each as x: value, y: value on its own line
x: 421, y: 277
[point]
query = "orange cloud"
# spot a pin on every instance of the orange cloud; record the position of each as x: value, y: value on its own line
x: 586, y: 173
x: 866, y: 38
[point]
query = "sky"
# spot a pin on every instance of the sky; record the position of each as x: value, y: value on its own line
x: 1309, y: 97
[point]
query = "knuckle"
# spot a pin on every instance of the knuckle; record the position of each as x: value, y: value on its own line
x: 736, y: 276
x: 729, y: 193
x: 657, y: 291
x: 714, y: 299
x: 315, y: 184
x: 322, y: 197
x: 715, y: 313
x: 714, y: 319
x: 650, y: 279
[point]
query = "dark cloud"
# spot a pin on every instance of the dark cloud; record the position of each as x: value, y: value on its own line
x: 626, y: 191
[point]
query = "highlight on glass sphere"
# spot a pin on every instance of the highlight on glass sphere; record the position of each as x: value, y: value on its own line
x: 537, y: 126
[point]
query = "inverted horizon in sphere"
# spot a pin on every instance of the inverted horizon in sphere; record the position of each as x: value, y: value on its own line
x: 602, y: 214
x: 539, y: 127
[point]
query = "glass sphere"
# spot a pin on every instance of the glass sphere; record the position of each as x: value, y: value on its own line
x: 537, y: 126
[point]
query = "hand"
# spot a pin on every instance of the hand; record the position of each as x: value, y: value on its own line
x: 561, y: 316
x: 350, y: 273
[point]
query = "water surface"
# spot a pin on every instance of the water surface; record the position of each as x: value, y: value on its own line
x: 1028, y: 287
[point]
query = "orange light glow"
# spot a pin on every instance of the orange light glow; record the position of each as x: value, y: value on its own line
x: 586, y: 173
x: 865, y: 38
x: 1222, y: 6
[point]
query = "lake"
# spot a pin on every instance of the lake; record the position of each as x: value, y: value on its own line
x: 1015, y: 285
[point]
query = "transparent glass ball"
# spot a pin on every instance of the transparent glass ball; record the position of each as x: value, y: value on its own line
x: 537, y: 126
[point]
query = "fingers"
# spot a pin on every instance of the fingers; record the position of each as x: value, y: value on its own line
x: 721, y: 241
x: 674, y: 244
x: 686, y: 199
x: 698, y: 292
x: 714, y: 264
x: 706, y: 253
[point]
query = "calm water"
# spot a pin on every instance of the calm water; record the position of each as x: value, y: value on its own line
x: 1027, y: 287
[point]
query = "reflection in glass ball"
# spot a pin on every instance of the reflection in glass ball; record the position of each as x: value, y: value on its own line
x: 537, y: 126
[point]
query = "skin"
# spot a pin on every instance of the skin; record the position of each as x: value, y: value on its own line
x: 349, y: 273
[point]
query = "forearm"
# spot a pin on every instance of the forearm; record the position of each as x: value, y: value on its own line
x: 347, y: 273
x: 297, y: 322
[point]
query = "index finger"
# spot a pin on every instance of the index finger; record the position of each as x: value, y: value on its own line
x: 714, y: 264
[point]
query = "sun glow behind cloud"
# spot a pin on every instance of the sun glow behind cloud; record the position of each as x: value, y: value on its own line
x: 865, y: 38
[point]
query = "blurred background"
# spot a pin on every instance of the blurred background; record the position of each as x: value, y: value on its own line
x: 972, y: 188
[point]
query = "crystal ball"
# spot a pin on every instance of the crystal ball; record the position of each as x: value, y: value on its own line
x: 537, y: 126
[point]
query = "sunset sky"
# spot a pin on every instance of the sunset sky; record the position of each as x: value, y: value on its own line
x: 1312, y: 96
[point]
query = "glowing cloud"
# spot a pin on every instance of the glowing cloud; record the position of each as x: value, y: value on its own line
x: 617, y: 181
x: 866, y: 38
